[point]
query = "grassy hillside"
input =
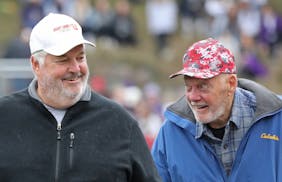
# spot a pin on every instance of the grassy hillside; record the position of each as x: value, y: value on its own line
x: 9, y: 19
x: 137, y: 63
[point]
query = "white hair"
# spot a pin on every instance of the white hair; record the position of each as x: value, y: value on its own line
x: 40, y: 56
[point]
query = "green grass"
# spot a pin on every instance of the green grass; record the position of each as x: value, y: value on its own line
x: 10, y: 24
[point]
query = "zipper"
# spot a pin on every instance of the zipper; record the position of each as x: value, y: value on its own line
x: 71, y: 149
x: 59, y: 128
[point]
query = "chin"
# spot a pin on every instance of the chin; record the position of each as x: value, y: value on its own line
x: 203, y: 120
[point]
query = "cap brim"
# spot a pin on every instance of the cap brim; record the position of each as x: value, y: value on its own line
x: 174, y: 75
x: 201, y: 75
x: 181, y: 72
x: 63, y: 48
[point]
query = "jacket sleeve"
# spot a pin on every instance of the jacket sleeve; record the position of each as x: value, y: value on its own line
x: 159, y: 157
x: 143, y: 167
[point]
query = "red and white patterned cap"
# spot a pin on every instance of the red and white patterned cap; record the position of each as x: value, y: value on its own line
x: 206, y: 59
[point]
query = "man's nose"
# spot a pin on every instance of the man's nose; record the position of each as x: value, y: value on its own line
x: 74, y: 66
x: 193, y: 95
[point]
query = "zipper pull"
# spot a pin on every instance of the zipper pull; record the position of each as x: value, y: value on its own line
x: 71, y: 139
x: 71, y: 150
x: 59, y: 128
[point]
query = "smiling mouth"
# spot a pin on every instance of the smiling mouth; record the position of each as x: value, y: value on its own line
x: 199, y: 107
x: 202, y: 107
x: 72, y: 78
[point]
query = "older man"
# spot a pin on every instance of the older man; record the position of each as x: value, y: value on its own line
x: 223, y: 128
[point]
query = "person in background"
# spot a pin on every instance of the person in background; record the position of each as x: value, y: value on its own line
x: 103, y: 17
x: 192, y: 18
x: 60, y: 6
x: 124, y: 24
x: 18, y: 50
x: 18, y: 47
x: 252, y: 66
x: 161, y: 19
x: 270, y: 34
x: 58, y: 129
x: 148, y: 120
x: 31, y: 12
x: 224, y: 128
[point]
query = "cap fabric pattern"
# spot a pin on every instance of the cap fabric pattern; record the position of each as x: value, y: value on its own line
x: 206, y: 59
x: 56, y: 34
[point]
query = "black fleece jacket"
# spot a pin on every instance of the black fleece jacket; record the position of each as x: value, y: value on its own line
x: 98, y: 141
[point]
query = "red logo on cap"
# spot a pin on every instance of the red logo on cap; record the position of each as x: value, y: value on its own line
x: 65, y: 28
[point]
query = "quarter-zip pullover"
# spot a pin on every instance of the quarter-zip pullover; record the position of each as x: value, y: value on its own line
x: 96, y: 141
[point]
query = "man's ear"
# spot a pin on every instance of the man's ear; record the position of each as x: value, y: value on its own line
x: 232, y: 81
x: 34, y: 64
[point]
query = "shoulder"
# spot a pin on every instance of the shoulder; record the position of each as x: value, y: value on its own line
x: 14, y: 99
x: 101, y: 101
x: 266, y: 100
x: 109, y: 107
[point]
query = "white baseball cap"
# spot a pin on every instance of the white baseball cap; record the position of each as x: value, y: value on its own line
x: 56, y: 34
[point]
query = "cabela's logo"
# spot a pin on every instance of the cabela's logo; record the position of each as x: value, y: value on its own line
x: 269, y: 136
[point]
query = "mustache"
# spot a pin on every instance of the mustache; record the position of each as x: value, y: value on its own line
x: 71, y: 76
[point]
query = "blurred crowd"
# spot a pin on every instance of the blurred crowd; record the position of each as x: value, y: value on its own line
x: 252, y: 29
x: 99, y: 19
